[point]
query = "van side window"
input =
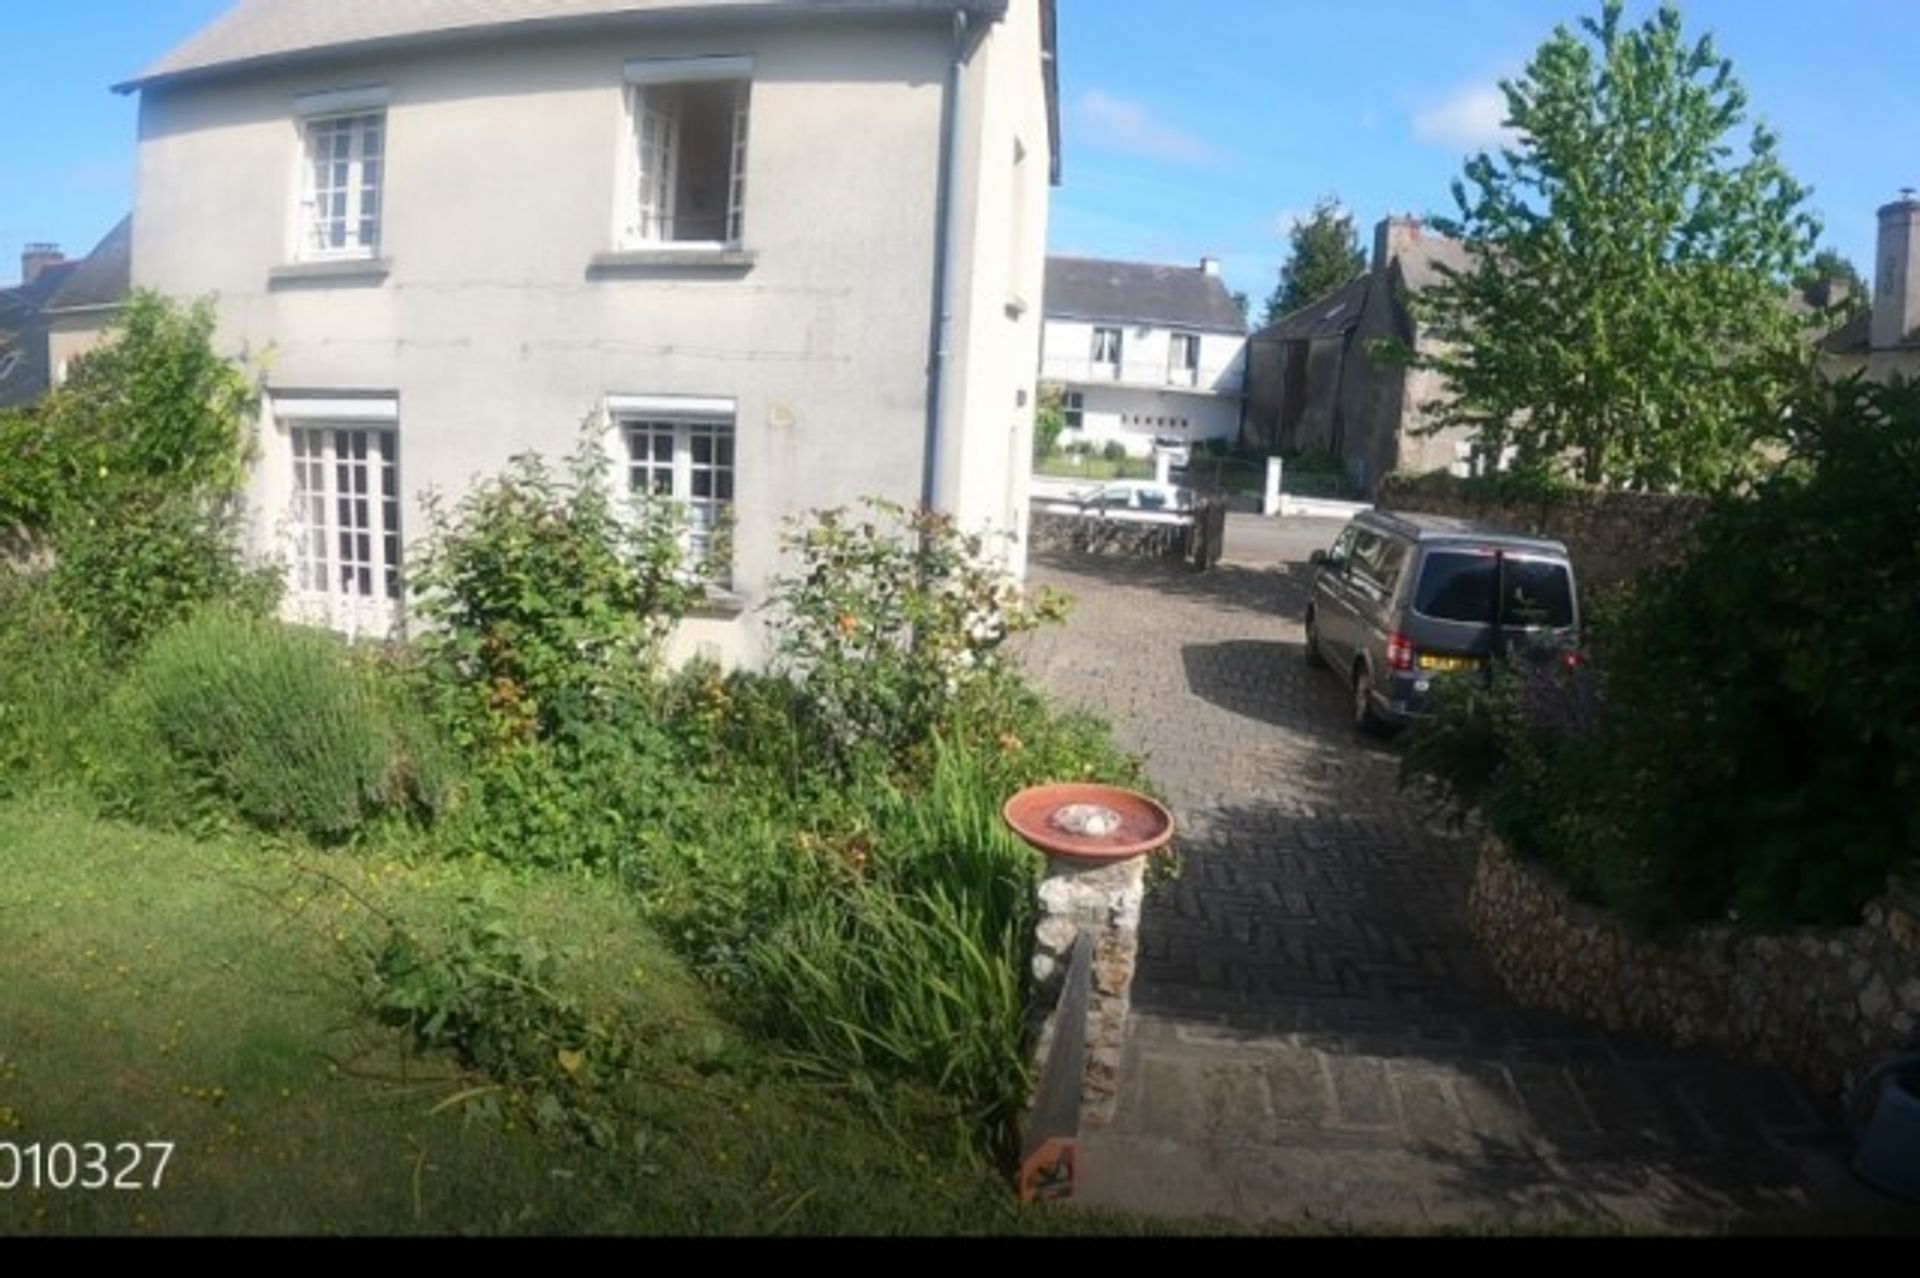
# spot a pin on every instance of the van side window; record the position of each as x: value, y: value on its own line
x: 1342, y: 552
x: 1378, y: 561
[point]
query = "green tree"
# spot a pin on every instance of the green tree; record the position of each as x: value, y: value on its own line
x: 1632, y: 256
x: 1325, y: 255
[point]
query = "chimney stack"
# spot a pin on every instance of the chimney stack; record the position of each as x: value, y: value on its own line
x: 35, y: 259
x: 1210, y: 266
x: 1896, y: 294
x: 1392, y: 237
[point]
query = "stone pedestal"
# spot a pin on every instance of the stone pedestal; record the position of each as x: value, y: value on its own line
x: 1103, y: 901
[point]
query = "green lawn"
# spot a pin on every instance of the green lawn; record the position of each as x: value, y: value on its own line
x: 165, y: 989
x: 1061, y: 466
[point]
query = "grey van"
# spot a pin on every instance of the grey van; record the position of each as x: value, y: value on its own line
x: 1402, y: 600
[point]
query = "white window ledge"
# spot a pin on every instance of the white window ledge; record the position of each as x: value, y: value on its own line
x: 369, y: 270
x: 718, y: 259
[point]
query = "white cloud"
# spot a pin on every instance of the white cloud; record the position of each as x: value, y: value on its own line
x: 1120, y: 125
x: 1472, y: 119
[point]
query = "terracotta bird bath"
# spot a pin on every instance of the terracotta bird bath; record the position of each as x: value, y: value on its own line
x: 1089, y: 824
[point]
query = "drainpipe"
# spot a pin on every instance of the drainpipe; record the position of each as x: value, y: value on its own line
x: 945, y: 251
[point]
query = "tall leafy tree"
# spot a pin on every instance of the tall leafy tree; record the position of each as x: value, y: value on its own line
x: 1325, y: 255
x: 1634, y: 249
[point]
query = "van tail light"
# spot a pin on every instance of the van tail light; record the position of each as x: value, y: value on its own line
x: 1400, y: 652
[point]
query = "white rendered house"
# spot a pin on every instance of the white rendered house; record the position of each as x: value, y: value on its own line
x: 781, y: 254
x: 1143, y: 352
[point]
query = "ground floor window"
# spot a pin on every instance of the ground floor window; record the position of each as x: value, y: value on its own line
x: 346, y: 487
x: 691, y: 462
x: 1074, y: 410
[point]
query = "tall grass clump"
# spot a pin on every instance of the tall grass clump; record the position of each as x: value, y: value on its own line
x: 283, y: 725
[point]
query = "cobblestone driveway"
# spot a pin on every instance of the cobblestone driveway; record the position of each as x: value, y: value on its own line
x: 1316, y: 1033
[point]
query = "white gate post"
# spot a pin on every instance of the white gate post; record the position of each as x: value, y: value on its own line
x: 1270, y: 503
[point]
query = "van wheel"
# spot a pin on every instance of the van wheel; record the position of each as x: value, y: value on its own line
x: 1315, y: 658
x: 1365, y: 718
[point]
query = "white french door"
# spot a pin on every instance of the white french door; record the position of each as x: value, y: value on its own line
x: 346, y: 565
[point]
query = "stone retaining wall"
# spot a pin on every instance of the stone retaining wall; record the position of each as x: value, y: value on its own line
x: 1823, y: 1004
x: 1103, y: 901
x: 1090, y: 534
x: 1609, y: 535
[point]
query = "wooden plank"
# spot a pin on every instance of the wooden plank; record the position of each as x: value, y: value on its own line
x: 1053, y: 1126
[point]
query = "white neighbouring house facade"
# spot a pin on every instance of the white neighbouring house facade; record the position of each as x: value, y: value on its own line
x: 1143, y: 352
x: 778, y: 254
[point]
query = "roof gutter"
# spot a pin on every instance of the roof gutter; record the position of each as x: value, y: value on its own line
x: 966, y: 39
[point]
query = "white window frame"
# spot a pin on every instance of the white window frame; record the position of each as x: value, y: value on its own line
x: 318, y: 111
x: 1116, y: 348
x: 651, y: 153
x: 344, y: 470
x: 683, y: 420
x: 1187, y: 369
x: 1073, y: 410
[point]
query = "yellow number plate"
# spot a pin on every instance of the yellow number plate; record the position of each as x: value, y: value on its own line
x: 1444, y: 665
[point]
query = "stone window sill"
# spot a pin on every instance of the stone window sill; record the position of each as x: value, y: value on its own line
x: 360, y: 270
x: 720, y: 605
x: 663, y: 260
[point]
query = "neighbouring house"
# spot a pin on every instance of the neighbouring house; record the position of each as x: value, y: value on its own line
x: 1885, y: 341
x: 58, y: 312
x: 1316, y: 385
x: 779, y: 254
x: 1140, y: 352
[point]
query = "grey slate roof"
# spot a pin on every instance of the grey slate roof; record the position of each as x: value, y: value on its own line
x: 104, y: 277
x: 1420, y: 264
x: 256, y: 31
x: 1140, y: 293
x: 1327, y: 316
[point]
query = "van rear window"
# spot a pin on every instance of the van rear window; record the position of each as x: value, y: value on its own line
x: 1459, y: 586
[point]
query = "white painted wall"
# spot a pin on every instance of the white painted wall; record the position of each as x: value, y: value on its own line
x: 496, y: 337
x: 1145, y: 353
x: 1146, y: 397
x: 1135, y: 418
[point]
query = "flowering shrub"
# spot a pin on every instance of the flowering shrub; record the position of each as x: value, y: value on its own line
x: 888, y: 617
x: 545, y: 603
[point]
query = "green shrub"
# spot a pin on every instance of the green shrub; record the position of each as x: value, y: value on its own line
x: 596, y: 802
x: 1748, y: 748
x: 489, y: 997
x: 1049, y: 421
x: 52, y: 680
x: 151, y: 563
x: 1115, y: 452
x: 282, y: 724
x: 544, y: 604
x: 130, y: 472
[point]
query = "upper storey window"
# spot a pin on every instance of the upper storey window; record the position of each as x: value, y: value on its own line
x: 688, y: 153
x: 344, y: 136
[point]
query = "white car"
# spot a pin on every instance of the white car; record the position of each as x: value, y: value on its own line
x: 1176, y: 451
x: 1142, y: 494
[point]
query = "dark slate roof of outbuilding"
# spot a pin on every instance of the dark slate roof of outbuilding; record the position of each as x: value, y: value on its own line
x: 1327, y: 316
x: 103, y: 278
x: 1140, y: 293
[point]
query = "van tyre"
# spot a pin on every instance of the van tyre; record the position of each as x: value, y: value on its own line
x: 1365, y: 718
x: 1314, y: 657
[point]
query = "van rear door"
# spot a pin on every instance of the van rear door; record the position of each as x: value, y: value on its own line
x: 1465, y: 591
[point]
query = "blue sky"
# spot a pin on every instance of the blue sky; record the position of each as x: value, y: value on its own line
x: 1193, y: 127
